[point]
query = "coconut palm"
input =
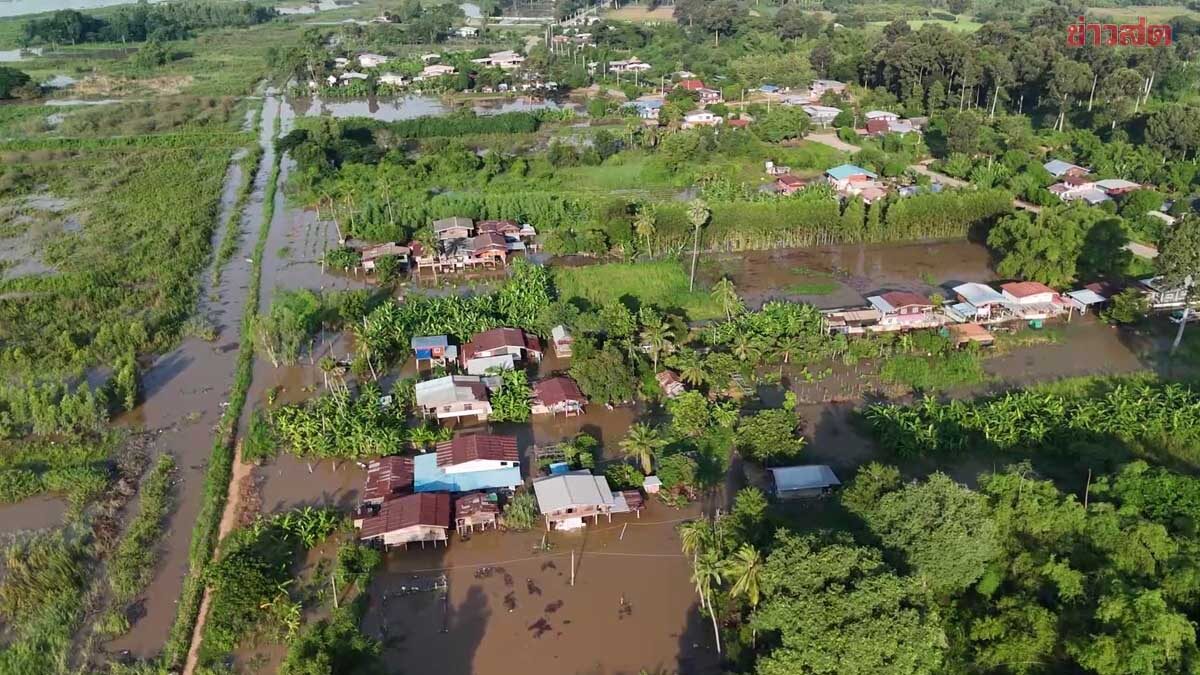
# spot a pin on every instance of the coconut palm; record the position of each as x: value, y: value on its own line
x: 746, y: 347
x: 706, y: 574
x: 698, y: 214
x: 725, y: 294
x: 691, y: 367
x: 744, y: 570
x: 657, y: 336
x: 641, y: 443
x: 645, y: 227
x: 696, y: 536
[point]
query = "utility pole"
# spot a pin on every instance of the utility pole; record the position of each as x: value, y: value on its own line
x: 572, y: 567
x: 1188, y: 282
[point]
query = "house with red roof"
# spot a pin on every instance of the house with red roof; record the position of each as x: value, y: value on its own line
x: 478, y: 452
x: 475, y: 509
x: 789, y: 184
x: 501, y: 341
x: 557, y: 395
x: 413, y: 518
x: 490, y: 247
x: 507, y: 228
x: 387, y: 478
x: 904, y: 309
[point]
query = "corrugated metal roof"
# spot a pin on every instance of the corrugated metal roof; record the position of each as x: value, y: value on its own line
x: 978, y: 294
x: 580, y: 488
x: 812, y: 477
x: 429, y: 477
x: 469, y: 447
x: 431, y: 509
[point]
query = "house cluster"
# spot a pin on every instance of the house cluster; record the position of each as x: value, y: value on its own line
x: 851, y: 181
x: 630, y: 65
x: 809, y: 100
x: 468, y: 394
x: 1076, y: 183
x: 572, y: 40
x: 784, y: 182
x: 505, y: 60
x: 463, y: 244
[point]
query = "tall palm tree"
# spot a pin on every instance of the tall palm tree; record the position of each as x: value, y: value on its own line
x: 645, y: 227
x: 641, y: 443
x: 698, y: 214
x: 706, y: 574
x: 695, y: 536
x: 744, y: 569
x: 724, y: 293
x: 745, y: 347
x: 657, y: 336
x: 691, y: 367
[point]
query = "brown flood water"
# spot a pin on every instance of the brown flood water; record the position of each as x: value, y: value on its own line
x: 855, y: 269
x: 36, y: 513
x: 186, y: 390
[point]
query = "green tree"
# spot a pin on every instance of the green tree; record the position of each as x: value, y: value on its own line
x: 691, y: 414
x: 838, y: 609
x: 641, y: 444
x: 698, y: 215
x: 769, y: 435
x: 725, y: 295
x: 511, y: 403
x: 644, y: 226
x: 1179, y: 263
x: 12, y: 80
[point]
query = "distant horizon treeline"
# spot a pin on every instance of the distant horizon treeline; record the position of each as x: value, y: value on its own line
x: 143, y: 22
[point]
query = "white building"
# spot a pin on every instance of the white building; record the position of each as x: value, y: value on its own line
x: 505, y: 60
x: 701, y: 118
x: 371, y: 60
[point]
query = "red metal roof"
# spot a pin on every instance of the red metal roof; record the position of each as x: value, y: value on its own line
x: 691, y: 85
x: 878, y: 126
x: 425, y: 508
x: 489, y: 240
x: 1024, y: 289
x: 474, y: 504
x: 557, y: 390
x: 739, y: 122
x: 387, y: 478
x: 498, y: 338
x: 501, y: 226
x: 789, y: 180
x: 477, y: 446
x: 900, y: 299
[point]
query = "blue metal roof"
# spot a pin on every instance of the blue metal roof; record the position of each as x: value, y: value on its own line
x: 429, y: 477
x: 768, y: 89
x: 845, y: 171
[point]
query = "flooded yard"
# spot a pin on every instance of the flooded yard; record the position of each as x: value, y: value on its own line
x: 394, y: 109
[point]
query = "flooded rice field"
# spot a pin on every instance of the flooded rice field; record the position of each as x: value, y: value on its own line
x: 415, y: 105
x: 185, y: 391
x: 36, y: 513
x: 838, y: 276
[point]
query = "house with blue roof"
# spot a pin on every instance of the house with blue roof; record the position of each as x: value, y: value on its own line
x: 647, y: 108
x: 854, y: 181
x: 469, y: 463
x: 434, y: 348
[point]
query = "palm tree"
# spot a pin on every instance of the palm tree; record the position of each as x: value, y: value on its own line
x: 641, y: 443
x: 696, y: 536
x: 657, y: 336
x: 745, y: 347
x: 645, y: 227
x: 725, y: 294
x: 698, y: 214
x: 691, y: 368
x: 744, y: 569
x: 706, y: 574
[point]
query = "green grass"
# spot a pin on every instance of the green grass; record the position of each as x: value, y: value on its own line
x: 933, y: 374
x: 1153, y: 13
x: 663, y: 284
x: 627, y: 171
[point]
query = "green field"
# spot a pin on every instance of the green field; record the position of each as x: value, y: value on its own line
x: 1153, y: 13
x: 663, y: 284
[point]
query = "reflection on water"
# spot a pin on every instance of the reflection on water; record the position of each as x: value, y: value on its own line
x: 412, y: 106
x: 12, y: 55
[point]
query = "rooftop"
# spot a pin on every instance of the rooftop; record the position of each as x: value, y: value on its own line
x: 812, y: 477
x: 578, y: 488
x: 1025, y: 289
x: 429, y: 477
x: 386, y: 477
x: 557, y: 390
x: 451, y: 389
x: 452, y: 223
x: 844, y: 171
x: 409, y: 511
x: 978, y: 294
x: 468, y: 448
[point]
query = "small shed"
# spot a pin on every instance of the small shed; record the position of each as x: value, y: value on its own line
x: 475, y: 509
x: 671, y: 385
x: 967, y: 333
x: 562, y: 341
x: 791, y: 482
x: 652, y: 484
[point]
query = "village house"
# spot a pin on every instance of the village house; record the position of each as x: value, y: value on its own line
x: 789, y: 184
x: 700, y: 118
x: 372, y: 254
x: 978, y: 301
x: 1059, y: 169
x: 430, y: 58
x: 467, y: 32
x: 490, y: 248
x: 794, y: 482
x: 561, y: 341
x: 393, y: 80
x: 469, y: 463
x: 820, y: 87
x: 849, y: 180
x: 409, y: 519
x: 505, y: 60
x: 706, y: 95
x: 1114, y: 187
x: 387, y: 478
x: 502, y: 341
x: 436, y: 349
x: 886, y: 123
x: 630, y: 65
x: 902, y: 309
x: 557, y: 395
x: 455, y: 227
x: 1032, y: 300
x: 821, y: 114
x: 436, y: 70
x: 487, y: 365
x: 454, y: 396
x: 647, y: 108
x: 850, y: 321
x: 371, y: 60
x: 670, y: 383
x: 739, y: 122
x: 475, y: 509
x: 505, y: 228
x: 567, y: 499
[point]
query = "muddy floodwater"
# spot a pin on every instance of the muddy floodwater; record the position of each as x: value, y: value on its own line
x: 510, y: 607
x: 394, y: 109
x: 35, y: 513
x: 844, y: 274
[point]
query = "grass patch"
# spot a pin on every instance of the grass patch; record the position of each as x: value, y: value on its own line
x: 41, y: 600
x: 1131, y: 13
x: 933, y: 374
x: 662, y: 284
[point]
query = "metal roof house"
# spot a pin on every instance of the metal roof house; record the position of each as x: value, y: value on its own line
x: 845, y: 172
x: 565, y: 500
x: 434, y: 348
x: 387, y: 478
x: 429, y: 476
x: 557, y: 395
x: 791, y: 482
x: 454, y: 396
x: 1059, y: 168
x: 456, y: 227
x: 413, y: 518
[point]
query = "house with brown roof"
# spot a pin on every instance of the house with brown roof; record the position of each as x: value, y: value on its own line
x: 557, y: 395
x: 387, y: 478
x: 475, y: 509
x: 789, y: 184
x: 455, y: 227
x: 409, y: 519
x: 500, y: 341
x: 671, y: 385
x: 371, y: 254
x: 478, y: 452
x: 490, y: 247
x: 506, y: 228
x: 1032, y: 300
x: 902, y: 309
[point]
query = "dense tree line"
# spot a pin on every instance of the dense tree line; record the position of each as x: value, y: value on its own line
x: 143, y: 21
